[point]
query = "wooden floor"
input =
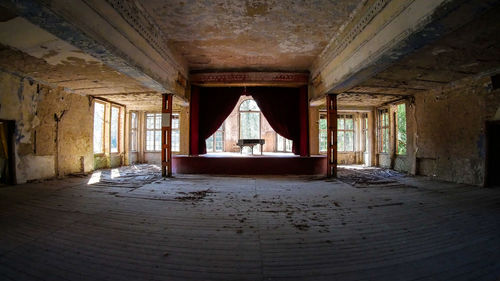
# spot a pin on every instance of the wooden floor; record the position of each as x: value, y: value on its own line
x: 130, y: 224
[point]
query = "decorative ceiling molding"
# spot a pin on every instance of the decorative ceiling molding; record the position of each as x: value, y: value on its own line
x: 342, y: 40
x: 135, y: 15
x: 250, y: 78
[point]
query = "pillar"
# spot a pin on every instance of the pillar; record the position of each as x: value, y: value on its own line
x: 331, y: 121
x: 166, y: 135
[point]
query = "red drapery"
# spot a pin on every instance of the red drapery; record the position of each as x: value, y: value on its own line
x: 282, y: 108
x: 215, y: 105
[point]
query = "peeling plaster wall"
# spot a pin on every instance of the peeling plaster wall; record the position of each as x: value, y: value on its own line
x: 32, y: 106
x: 451, y: 140
x: 314, y: 130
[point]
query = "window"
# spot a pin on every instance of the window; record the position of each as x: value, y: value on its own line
x: 153, y: 132
x: 383, y: 133
x: 283, y: 144
x: 215, y: 143
x: 250, y: 121
x: 99, y: 127
x: 115, y: 129
x: 133, y: 131
x: 323, y: 133
x: 365, y: 131
x: 345, y: 133
x: 175, y: 132
x: 401, y: 129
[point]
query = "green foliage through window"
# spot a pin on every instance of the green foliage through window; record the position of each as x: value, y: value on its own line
x: 401, y: 128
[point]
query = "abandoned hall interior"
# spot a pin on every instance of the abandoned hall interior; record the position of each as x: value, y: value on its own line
x: 250, y: 140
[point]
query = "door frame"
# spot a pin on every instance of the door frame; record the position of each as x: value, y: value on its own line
x: 487, y: 129
x: 10, y: 126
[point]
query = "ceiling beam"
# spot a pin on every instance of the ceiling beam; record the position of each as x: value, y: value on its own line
x: 381, y: 37
x: 100, y: 31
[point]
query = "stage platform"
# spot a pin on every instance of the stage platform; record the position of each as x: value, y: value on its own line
x: 237, y: 164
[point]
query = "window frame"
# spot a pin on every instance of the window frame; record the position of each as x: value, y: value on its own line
x: 103, y: 129
x: 248, y: 111
x: 381, y: 128
x: 325, y: 133
x: 287, y: 144
x: 134, y: 129
x: 156, y: 115
x: 178, y: 130
x: 118, y: 129
x: 222, y: 130
x: 364, y: 129
x: 344, y: 130
x: 396, y: 135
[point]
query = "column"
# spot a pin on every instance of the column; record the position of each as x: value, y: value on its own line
x: 166, y: 135
x: 331, y: 119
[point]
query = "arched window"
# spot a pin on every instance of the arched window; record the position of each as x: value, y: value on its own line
x: 249, y: 120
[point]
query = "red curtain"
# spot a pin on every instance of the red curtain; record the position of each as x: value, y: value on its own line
x: 215, y: 104
x: 280, y: 106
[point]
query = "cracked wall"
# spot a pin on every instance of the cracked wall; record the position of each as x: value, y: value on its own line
x: 450, y: 133
x: 45, y: 148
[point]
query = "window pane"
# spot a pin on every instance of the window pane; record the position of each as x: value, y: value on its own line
x: 249, y: 125
x: 133, y: 120
x: 349, y: 124
x: 280, y: 143
x: 219, y: 141
x: 98, y: 127
x: 340, y: 141
x: 210, y: 144
x: 249, y: 105
x: 150, y: 121
x: 386, y: 140
x: 322, y: 133
x: 175, y: 141
x: 340, y: 123
x: 158, y: 121
x: 288, y: 147
x: 157, y: 140
x: 150, y: 141
x: 133, y: 140
x: 401, y: 123
x: 322, y: 124
x: 175, y: 121
x: 115, y: 115
x: 349, y: 141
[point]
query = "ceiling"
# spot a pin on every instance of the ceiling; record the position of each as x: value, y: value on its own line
x: 284, y: 35
x: 467, y: 52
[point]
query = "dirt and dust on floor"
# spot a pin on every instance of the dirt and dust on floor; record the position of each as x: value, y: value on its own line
x: 366, y: 177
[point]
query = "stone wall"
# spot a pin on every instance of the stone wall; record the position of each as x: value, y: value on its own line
x: 450, y: 134
x: 44, y: 147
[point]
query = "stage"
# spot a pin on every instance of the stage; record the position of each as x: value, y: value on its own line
x: 238, y: 164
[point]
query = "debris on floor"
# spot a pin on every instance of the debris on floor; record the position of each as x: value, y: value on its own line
x: 371, y: 177
x: 194, y: 195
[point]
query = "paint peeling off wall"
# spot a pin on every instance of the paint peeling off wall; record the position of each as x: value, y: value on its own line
x: 45, y: 148
x: 37, y: 167
x: 451, y: 141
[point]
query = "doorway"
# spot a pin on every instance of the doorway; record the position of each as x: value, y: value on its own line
x: 492, y: 172
x: 7, y: 161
